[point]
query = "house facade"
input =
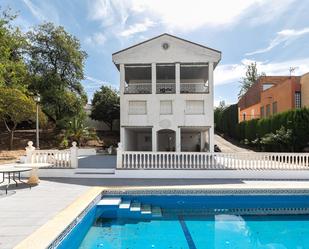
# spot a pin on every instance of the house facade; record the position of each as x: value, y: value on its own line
x: 166, y: 95
x: 270, y: 95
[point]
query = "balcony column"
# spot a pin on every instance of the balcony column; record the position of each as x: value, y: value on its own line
x: 153, y: 78
x: 211, y: 95
x: 178, y: 139
x: 154, y: 140
x: 122, y: 79
x: 177, y: 77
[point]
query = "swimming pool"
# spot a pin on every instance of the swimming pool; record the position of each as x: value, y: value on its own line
x: 206, y: 221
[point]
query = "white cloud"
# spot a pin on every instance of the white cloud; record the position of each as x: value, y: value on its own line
x: 95, y: 83
x: 138, y: 28
x: 96, y: 39
x: 232, y: 73
x: 285, y: 36
x: 43, y: 11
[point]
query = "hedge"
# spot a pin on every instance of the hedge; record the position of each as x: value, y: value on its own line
x: 296, y: 120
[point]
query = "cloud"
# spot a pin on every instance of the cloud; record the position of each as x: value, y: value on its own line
x: 95, y: 83
x: 96, y: 39
x: 232, y: 73
x: 283, y: 37
x: 138, y: 28
x: 43, y: 11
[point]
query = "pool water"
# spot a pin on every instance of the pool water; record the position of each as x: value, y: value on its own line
x: 210, y: 222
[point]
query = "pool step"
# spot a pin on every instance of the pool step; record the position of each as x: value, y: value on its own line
x: 146, y: 209
x: 135, y: 207
x: 125, y: 204
x: 109, y: 201
x: 156, y: 212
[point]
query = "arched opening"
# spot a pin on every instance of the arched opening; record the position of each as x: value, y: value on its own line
x: 166, y: 140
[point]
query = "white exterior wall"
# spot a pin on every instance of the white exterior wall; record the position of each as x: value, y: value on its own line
x: 151, y: 52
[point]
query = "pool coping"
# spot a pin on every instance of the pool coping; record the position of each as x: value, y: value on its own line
x: 54, y: 231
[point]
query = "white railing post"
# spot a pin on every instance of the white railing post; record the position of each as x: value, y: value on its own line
x: 29, y: 152
x: 119, y: 156
x: 74, y: 155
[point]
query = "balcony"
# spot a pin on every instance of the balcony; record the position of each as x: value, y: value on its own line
x: 165, y: 88
x: 194, y: 88
x: 138, y: 88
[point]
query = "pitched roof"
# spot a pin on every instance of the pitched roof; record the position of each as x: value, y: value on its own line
x: 167, y: 35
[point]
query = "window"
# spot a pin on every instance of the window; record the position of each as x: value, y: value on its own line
x: 166, y: 107
x: 194, y: 107
x: 268, y: 110
x: 252, y: 114
x: 297, y: 100
x: 244, y: 116
x: 262, y: 112
x: 137, y: 107
x: 275, y: 108
x: 267, y: 86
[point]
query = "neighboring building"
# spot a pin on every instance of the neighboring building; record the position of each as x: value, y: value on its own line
x: 166, y: 95
x: 270, y: 95
x: 304, y: 82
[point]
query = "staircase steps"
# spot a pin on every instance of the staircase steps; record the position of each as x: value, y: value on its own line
x: 109, y: 201
x: 125, y: 205
x: 156, y: 212
x: 146, y: 209
x: 135, y: 207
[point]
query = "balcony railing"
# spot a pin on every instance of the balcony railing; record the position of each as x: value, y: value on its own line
x: 165, y: 88
x: 193, y: 88
x: 138, y: 88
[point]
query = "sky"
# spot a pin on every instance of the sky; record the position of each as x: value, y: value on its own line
x: 274, y: 33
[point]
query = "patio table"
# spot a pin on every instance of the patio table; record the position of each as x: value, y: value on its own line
x: 34, y: 178
x: 11, y: 172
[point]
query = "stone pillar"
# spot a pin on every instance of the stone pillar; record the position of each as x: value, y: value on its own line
x: 74, y: 155
x: 177, y: 77
x: 153, y: 78
x: 29, y: 152
x: 122, y: 79
x: 178, y: 139
x: 154, y: 140
x: 211, y: 95
x: 119, y: 156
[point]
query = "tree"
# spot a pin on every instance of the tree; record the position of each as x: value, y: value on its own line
x: 106, y: 106
x: 13, y: 70
x: 252, y: 76
x: 15, y: 107
x: 57, y: 68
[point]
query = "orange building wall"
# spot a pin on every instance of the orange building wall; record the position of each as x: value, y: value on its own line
x: 304, y: 81
x: 283, y: 94
x: 251, y: 112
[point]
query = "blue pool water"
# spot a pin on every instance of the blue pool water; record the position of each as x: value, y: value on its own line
x: 195, y: 222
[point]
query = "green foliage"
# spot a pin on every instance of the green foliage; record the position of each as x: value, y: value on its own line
x: 106, y: 106
x: 13, y: 71
x: 252, y: 76
x: 56, y: 65
x: 265, y: 133
x: 15, y: 107
x: 226, y: 119
x: 76, y: 131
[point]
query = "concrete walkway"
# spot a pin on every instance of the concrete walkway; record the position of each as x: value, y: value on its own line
x: 228, y: 147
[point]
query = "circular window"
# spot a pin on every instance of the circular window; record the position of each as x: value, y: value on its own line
x: 165, y: 45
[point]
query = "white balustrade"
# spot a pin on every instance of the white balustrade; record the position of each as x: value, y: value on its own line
x: 193, y: 88
x: 57, y: 158
x: 212, y: 161
x: 138, y: 88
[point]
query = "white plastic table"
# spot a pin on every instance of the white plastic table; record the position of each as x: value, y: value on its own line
x: 34, y: 178
x: 11, y: 172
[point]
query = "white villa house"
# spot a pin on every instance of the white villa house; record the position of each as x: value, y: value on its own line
x: 167, y: 95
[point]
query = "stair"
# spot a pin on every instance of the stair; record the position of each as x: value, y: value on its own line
x: 125, y: 204
x: 109, y: 201
x: 135, y: 207
x: 128, y: 206
x: 156, y: 212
